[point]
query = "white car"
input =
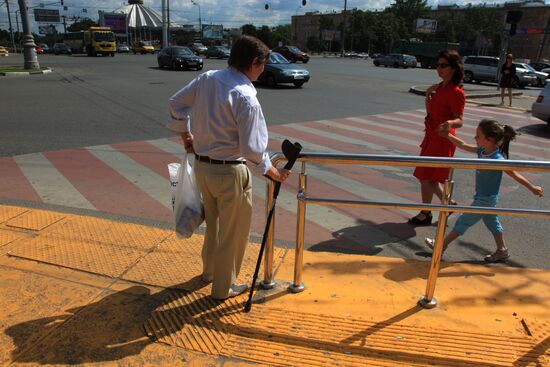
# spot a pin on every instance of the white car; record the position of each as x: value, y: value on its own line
x: 541, y: 108
x: 541, y: 75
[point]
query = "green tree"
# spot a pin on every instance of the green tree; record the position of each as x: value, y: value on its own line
x: 282, y: 34
x: 82, y: 25
x: 407, y: 11
x: 249, y: 29
x: 264, y: 35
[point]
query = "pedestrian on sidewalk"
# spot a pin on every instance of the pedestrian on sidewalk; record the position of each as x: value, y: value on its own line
x: 493, y: 141
x: 228, y: 131
x: 444, y: 109
x: 507, y: 77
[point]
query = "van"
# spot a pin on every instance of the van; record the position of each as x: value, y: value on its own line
x: 143, y: 47
x: 485, y: 69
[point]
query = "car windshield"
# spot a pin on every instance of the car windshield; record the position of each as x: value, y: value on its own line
x: 528, y: 67
x: 104, y: 36
x: 146, y: 43
x: 294, y: 49
x: 277, y: 58
x: 182, y: 51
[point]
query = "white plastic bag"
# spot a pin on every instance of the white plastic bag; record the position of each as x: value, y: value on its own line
x: 186, y: 198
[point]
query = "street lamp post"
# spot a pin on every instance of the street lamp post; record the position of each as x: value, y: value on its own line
x: 200, y: 20
x: 31, y: 61
x: 344, y: 27
x: 11, y: 28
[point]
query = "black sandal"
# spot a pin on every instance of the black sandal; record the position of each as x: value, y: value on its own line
x: 422, y: 222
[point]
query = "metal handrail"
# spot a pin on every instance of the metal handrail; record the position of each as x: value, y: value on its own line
x: 428, y: 300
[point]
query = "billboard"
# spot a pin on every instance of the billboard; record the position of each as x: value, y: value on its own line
x: 426, y: 25
x: 212, y: 31
x: 47, y: 29
x: 46, y: 15
x: 116, y: 21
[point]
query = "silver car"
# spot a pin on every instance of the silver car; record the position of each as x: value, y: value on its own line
x: 485, y: 69
x: 541, y: 108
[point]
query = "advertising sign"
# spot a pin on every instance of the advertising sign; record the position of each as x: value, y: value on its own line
x: 426, y: 25
x: 212, y: 31
x: 47, y: 29
x: 116, y: 21
x: 331, y: 35
x: 46, y: 15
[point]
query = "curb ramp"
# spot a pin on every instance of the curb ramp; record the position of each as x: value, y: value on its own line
x: 79, y: 289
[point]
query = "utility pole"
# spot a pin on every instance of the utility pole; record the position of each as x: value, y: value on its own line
x: 64, y: 24
x: 11, y: 28
x: 546, y: 31
x: 344, y: 28
x: 164, y: 26
x: 31, y: 61
x: 168, y: 17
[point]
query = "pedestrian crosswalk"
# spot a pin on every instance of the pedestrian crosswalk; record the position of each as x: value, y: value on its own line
x: 131, y: 178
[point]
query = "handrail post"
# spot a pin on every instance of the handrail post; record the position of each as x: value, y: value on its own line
x: 298, y: 286
x: 428, y: 300
x: 268, y: 281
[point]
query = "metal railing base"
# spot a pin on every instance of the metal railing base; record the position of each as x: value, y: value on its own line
x: 267, y: 285
x: 297, y: 288
x: 423, y: 302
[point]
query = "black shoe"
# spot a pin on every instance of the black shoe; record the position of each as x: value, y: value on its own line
x: 422, y: 222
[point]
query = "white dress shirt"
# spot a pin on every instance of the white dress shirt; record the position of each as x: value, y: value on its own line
x: 229, y: 123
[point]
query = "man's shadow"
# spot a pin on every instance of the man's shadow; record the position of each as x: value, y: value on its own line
x: 107, y: 330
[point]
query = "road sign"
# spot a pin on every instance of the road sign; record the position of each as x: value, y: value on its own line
x: 46, y: 15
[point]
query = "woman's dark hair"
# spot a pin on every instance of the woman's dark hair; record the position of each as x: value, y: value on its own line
x: 247, y: 50
x: 453, y: 58
x: 501, y: 134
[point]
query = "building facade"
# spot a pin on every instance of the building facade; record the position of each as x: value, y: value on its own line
x: 532, y: 39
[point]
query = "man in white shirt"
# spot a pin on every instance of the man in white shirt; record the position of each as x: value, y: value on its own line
x: 229, y: 130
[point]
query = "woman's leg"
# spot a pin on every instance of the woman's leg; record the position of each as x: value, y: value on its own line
x: 502, y: 91
x: 427, y: 189
x: 510, y: 96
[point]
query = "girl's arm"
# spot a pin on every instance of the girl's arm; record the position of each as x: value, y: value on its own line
x: 461, y: 144
x: 457, y: 122
x: 537, y: 190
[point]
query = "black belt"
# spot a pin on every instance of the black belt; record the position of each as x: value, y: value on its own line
x: 205, y: 159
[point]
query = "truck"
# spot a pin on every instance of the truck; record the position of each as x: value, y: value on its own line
x: 425, y: 52
x: 99, y: 40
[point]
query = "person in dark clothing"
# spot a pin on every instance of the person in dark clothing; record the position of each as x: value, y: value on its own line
x: 507, y: 77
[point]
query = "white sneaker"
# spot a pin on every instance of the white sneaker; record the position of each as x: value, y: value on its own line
x: 431, y: 243
x: 234, y: 291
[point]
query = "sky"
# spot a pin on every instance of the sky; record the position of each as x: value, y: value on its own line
x: 230, y: 13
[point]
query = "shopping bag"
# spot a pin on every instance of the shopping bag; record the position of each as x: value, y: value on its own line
x: 186, y: 198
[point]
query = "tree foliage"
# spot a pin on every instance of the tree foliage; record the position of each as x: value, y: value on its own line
x: 82, y: 25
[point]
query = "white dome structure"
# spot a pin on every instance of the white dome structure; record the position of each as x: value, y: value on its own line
x: 140, y: 16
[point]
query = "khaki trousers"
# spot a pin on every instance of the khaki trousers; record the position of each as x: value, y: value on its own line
x: 227, y: 196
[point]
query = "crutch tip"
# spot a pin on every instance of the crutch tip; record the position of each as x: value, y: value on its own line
x: 247, y: 306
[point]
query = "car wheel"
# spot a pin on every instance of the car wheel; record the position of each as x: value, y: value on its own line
x: 376, y: 63
x: 174, y: 65
x: 468, y: 77
x: 396, y: 65
x: 199, y: 68
x: 207, y: 56
x: 305, y: 61
x: 270, y: 81
x: 160, y: 65
x: 298, y: 84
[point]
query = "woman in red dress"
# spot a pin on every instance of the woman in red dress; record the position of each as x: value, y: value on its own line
x: 445, y: 107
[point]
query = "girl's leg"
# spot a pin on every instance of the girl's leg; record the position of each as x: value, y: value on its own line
x: 499, y: 240
x: 448, y: 239
x: 492, y: 222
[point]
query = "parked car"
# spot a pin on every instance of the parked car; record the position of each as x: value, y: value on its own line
x: 541, y: 76
x: 356, y: 55
x: 45, y: 48
x: 541, y: 107
x: 395, y: 60
x: 198, y: 48
x: 220, y: 52
x: 3, y: 51
x: 292, y: 53
x: 143, y: 47
x: 280, y: 70
x: 538, y: 66
x: 485, y: 68
x: 121, y: 48
x: 62, y: 48
x: 179, y: 57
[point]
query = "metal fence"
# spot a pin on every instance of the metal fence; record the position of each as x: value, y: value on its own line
x: 428, y: 300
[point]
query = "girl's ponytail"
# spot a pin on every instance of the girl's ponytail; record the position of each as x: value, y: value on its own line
x: 509, y: 134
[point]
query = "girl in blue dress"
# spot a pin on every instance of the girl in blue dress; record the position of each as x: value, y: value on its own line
x: 493, y: 141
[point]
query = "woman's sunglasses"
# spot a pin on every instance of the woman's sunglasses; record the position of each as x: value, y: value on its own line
x: 442, y: 65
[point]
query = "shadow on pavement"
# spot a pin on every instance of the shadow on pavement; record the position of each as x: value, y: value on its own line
x: 539, y: 130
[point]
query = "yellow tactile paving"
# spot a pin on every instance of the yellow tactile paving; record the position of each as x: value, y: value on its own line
x: 8, y: 212
x: 195, y: 321
x: 8, y: 237
x: 177, y: 263
x: 80, y: 254
x: 35, y: 220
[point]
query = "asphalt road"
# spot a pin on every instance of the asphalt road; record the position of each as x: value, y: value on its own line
x: 89, y: 101
x: 95, y: 101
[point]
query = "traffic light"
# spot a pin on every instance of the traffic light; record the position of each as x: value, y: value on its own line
x: 266, y: 6
x: 62, y: 3
x: 304, y: 2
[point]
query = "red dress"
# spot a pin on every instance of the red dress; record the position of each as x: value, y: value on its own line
x: 446, y: 103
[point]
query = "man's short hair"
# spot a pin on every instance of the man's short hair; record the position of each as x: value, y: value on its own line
x: 245, y: 51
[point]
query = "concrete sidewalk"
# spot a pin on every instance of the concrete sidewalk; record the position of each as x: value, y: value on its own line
x: 84, y: 290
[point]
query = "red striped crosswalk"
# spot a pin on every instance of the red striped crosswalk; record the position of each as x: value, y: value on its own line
x: 131, y: 178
